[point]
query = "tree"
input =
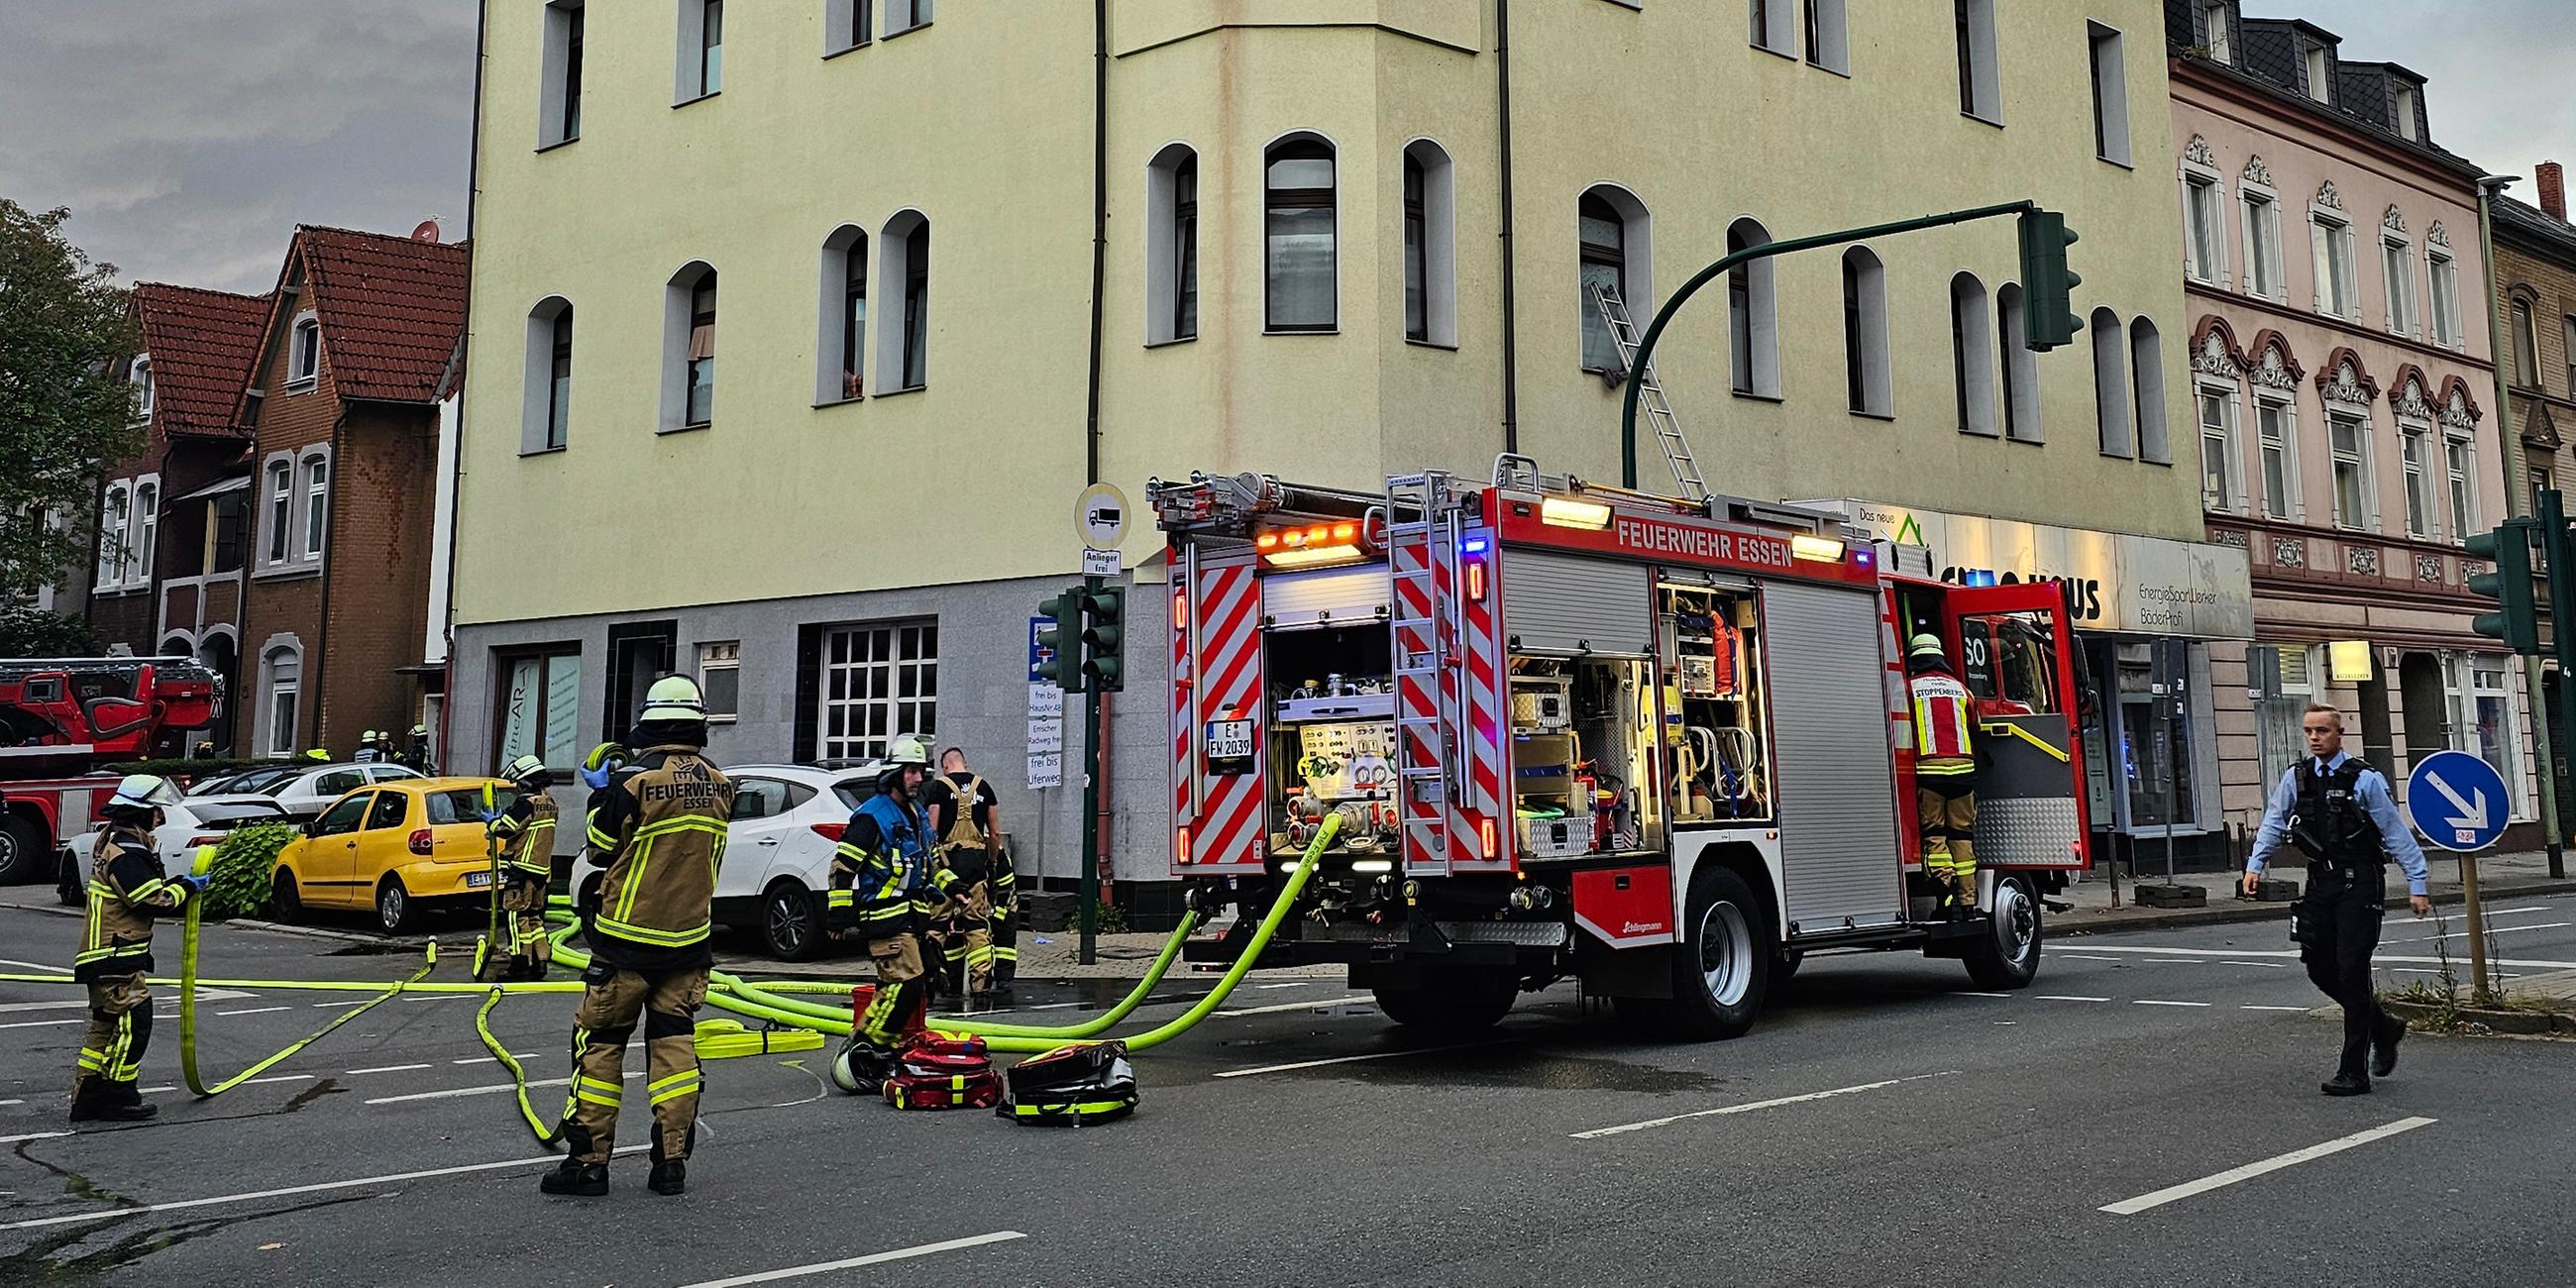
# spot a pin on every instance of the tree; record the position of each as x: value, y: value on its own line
x: 65, y: 408
x: 33, y: 632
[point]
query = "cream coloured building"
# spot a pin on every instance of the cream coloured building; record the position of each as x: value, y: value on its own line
x: 1336, y: 238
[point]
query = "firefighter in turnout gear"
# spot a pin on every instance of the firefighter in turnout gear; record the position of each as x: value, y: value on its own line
x: 658, y: 827
x: 523, y: 847
x: 961, y: 806
x: 1945, y: 771
x: 127, y: 889
x: 884, y: 886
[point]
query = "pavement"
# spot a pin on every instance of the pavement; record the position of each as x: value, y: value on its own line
x: 2145, y: 1113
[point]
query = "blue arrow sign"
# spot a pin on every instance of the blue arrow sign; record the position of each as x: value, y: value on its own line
x: 2457, y: 801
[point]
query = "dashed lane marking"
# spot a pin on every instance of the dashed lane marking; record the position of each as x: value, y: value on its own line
x: 388, y: 1068
x: 2082, y: 957
x: 33, y: 1135
x: 2251, y: 1007
x: 488, y: 1059
x: 2264, y: 965
x: 1352, y: 1059
x: 1298, y: 1006
x: 110, y: 1213
x: 1724, y: 1110
x: 494, y: 1089
x: 2149, y: 1001
x: 872, y: 1259
x: 2176, y: 961
x: 2176, y: 1193
x: 2463, y: 931
x: 2069, y: 997
x: 2532, y: 963
x: 40, y: 1024
x: 256, y: 1010
x: 1965, y: 993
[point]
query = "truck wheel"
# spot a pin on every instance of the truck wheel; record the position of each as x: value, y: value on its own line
x: 791, y: 923
x: 2008, y: 958
x: 393, y: 906
x: 22, y: 850
x: 1722, y: 972
x: 1454, y: 1001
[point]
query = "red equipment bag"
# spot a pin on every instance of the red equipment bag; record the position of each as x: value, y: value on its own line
x: 944, y: 1071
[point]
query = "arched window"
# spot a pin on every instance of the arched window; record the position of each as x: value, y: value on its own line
x: 1172, y: 245
x: 1611, y: 227
x: 2526, y: 345
x: 1866, y: 380
x: 1752, y: 316
x: 2020, y: 368
x: 1972, y: 355
x: 281, y: 684
x: 141, y: 375
x: 2111, y: 384
x: 841, y: 328
x: 903, y: 265
x: 689, y: 348
x: 2147, y: 381
x: 1300, y: 235
x: 114, y: 515
x: 280, y: 506
x: 147, y: 525
x: 1430, y: 245
x: 545, y: 409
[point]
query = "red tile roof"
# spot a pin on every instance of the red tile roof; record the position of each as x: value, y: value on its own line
x: 203, y: 345
x: 392, y: 310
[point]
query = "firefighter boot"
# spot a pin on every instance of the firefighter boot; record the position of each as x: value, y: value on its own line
x: 577, y: 1178
x: 670, y: 1175
x: 99, y: 1100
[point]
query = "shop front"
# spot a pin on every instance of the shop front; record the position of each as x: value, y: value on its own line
x: 2154, y: 617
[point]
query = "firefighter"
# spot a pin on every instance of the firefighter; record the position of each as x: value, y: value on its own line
x: 2338, y: 811
x: 1945, y: 771
x: 523, y: 847
x: 970, y: 846
x: 883, y: 886
x: 127, y: 889
x: 415, y: 755
x: 657, y: 825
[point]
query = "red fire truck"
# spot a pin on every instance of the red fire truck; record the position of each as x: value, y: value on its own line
x: 1661, y: 746
x: 63, y: 717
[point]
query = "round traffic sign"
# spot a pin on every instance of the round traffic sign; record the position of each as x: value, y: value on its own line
x: 1100, y: 516
x: 2458, y: 801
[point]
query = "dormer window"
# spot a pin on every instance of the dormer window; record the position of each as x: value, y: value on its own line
x: 304, y: 351
x: 141, y: 375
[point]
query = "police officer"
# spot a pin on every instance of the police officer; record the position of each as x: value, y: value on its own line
x: 658, y: 825
x: 1945, y: 771
x: 962, y: 808
x: 884, y: 886
x: 127, y: 889
x: 2340, y: 813
x: 523, y: 848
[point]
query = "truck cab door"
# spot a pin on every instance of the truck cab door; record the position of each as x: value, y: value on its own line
x: 2017, y: 657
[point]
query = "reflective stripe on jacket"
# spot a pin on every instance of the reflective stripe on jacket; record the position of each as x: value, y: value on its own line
x: 1941, y: 706
x: 127, y: 889
x: 526, y: 833
x: 881, y: 871
x: 659, y: 828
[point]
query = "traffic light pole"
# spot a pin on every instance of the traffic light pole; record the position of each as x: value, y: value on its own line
x: 1088, y: 884
x: 1767, y: 250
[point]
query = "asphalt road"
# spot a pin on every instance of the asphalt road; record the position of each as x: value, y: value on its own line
x: 1883, y: 1125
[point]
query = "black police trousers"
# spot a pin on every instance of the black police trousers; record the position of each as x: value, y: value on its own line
x: 2338, y: 918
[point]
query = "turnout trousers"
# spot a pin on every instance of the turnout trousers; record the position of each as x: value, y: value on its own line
x: 903, y: 990
x: 668, y: 1004
x: 120, y: 1027
x: 2339, y: 918
x: 523, y: 905
x: 1946, y: 805
x: 966, y: 940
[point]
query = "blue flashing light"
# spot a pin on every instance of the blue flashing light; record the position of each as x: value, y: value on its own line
x: 1477, y: 545
x: 1980, y: 577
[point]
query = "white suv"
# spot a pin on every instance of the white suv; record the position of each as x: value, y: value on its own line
x: 778, y: 851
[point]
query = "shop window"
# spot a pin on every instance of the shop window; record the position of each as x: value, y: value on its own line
x: 539, y: 706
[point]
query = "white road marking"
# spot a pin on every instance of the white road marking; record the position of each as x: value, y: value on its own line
x: 154, y: 1091
x: 2463, y: 931
x: 42, y: 966
x: 324, y: 1006
x: 493, y: 1059
x: 388, y: 1068
x: 2069, y: 997
x: 39, y: 1024
x: 111, y: 1213
x: 2532, y: 963
x: 2132, y: 1207
x: 437, y: 997
x: 1724, y: 1110
x: 1294, y: 983
x: 1055, y: 1006
x: 1350, y: 1059
x: 454, y: 1092
x: 1965, y: 993
x: 256, y: 1010
x: 283, y: 1077
x: 2264, y: 965
x: 2081, y: 957
x: 872, y: 1259
x: 2175, y: 961
x: 33, y: 1135
x: 2154, y: 1002
x: 2507, y: 912
x: 13, y: 1008
x: 2251, y: 1007
x: 12, y: 1102
x: 1296, y: 1006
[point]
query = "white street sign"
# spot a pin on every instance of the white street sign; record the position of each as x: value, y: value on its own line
x: 1100, y: 516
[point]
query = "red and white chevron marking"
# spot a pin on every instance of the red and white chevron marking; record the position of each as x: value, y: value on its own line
x: 1227, y: 826
x: 1481, y: 743
x: 1184, y: 685
x: 1418, y: 704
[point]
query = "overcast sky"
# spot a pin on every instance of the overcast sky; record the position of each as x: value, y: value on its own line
x: 189, y: 136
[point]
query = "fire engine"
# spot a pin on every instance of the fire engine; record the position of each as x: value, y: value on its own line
x: 1661, y: 746
x: 63, y: 717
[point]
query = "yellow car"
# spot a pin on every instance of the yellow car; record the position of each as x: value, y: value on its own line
x: 391, y: 846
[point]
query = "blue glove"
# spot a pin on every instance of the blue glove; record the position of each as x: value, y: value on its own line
x: 596, y: 778
x: 196, y: 881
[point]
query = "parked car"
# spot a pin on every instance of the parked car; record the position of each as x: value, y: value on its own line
x: 303, y: 793
x: 246, y: 781
x: 184, y: 827
x: 394, y: 846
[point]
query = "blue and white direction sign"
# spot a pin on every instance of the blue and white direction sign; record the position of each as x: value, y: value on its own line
x: 2457, y: 801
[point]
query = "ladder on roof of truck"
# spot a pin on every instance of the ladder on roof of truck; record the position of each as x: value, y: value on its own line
x: 1422, y: 548
x: 1650, y: 393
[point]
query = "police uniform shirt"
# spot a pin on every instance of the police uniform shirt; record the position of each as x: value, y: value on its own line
x: 2371, y: 790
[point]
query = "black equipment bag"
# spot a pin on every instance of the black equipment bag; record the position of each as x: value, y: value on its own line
x: 1087, y: 1082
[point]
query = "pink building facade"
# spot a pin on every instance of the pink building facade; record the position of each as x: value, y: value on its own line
x: 2341, y: 368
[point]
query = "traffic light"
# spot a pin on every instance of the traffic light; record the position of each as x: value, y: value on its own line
x: 2516, y: 621
x: 1104, y: 657
x: 1060, y: 640
x: 2048, y: 308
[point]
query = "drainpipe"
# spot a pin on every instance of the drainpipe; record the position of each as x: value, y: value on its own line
x: 317, y: 656
x: 2516, y: 504
x: 1511, y: 324
x: 456, y: 495
x: 1099, y: 225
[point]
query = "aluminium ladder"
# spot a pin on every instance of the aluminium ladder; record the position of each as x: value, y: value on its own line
x: 1650, y: 393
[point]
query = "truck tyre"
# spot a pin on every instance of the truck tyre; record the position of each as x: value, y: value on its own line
x: 22, y: 850
x: 1453, y: 1001
x: 1722, y: 971
x: 2008, y: 957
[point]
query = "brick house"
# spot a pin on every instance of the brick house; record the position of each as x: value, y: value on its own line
x: 167, y: 553
x: 2536, y: 283
x: 353, y: 362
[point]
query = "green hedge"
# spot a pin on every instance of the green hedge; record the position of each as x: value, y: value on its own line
x: 243, y: 868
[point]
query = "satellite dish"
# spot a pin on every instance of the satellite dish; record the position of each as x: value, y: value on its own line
x: 427, y: 232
